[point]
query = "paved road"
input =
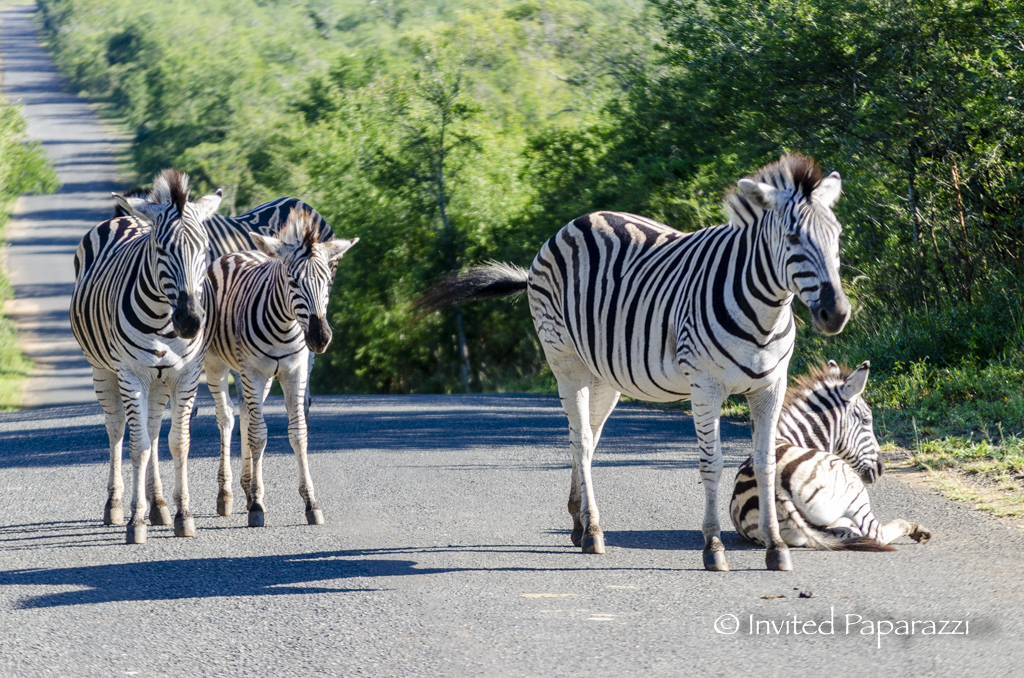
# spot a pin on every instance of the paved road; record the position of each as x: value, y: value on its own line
x: 446, y: 552
x: 45, y: 230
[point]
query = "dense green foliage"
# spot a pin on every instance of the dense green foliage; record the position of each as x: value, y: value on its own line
x: 446, y: 133
x: 23, y: 169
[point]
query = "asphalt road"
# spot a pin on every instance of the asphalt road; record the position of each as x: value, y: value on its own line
x: 45, y: 230
x: 446, y: 553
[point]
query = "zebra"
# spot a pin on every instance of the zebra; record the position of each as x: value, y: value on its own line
x: 624, y: 304
x: 825, y: 452
x: 137, y: 312
x: 267, y: 314
x: 232, y: 234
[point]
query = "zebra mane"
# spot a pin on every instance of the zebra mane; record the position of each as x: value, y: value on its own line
x: 829, y: 375
x: 301, y: 228
x: 170, y: 186
x: 793, y: 171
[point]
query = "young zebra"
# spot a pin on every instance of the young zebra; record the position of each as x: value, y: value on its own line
x: 268, y: 313
x: 624, y: 304
x: 826, y: 450
x: 137, y: 312
x: 231, y: 234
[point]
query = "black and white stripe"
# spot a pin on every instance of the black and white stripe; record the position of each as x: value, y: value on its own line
x: 137, y: 312
x: 268, y: 314
x: 624, y: 304
x: 826, y: 451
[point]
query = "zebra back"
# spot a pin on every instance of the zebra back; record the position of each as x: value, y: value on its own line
x: 231, y: 234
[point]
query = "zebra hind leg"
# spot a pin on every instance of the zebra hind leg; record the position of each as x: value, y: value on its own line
x: 580, y: 394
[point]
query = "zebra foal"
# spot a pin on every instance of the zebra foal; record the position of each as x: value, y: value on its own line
x: 137, y: 312
x: 624, y: 304
x: 825, y: 452
x: 267, y: 314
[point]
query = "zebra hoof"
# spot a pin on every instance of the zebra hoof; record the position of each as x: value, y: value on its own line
x: 136, y: 534
x: 185, y: 527
x: 113, y: 515
x: 315, y: 517
x: 779, y: 559
x: 577, y: 536
x: 714, y: 561
x: 160, y: 515
x: 256, y: 519
x: 593, y: 543
x: 224, y: 506
x: 920, y: 534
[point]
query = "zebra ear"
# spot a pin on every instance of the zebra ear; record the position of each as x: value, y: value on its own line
x: 827, y: 192
x: 139, y: 207
x: 338, y: 247
x: 856, y: 382
x: 832, y: 367
x: 272, y: 247
x: 208, y: 205
x: 765, y: 195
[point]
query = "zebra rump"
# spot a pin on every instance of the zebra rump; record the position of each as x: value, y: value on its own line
x: 490, y: 281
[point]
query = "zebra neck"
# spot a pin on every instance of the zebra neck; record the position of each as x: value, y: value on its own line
x: 806, y: 428
x: 759, y: 292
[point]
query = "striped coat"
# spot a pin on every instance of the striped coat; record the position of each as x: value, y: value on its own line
x: 825, y: 454
x: 624, y: 304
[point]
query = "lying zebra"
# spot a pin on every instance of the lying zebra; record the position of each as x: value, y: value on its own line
x: 825, y: 452
x: 268, y: 312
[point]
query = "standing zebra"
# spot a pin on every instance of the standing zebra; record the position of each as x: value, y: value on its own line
x: 137, y: 312
x: 268, y: 314
x: 826, y: 450
x: 232, y: 234
x: 624, y: 304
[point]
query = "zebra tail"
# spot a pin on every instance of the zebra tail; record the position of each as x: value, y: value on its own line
x: 490, y: 281
x: 824, y: 541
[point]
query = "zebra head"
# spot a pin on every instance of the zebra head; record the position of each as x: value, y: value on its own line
x: 178, y: 244
x: 308, y: 267
x: 803, y: 234
x: 825, y: 410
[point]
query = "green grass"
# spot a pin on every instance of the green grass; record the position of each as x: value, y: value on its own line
x: 14, y: 367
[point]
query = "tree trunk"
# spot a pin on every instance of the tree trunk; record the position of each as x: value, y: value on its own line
x: 463, y: 350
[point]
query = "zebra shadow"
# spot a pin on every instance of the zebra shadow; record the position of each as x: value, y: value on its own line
x: 671, y: 540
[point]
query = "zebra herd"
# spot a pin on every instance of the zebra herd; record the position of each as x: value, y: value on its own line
x: 621, y: 304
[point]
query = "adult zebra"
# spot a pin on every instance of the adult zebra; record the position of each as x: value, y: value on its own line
x: 137, y: 312
x: 624, y: 304
x: 826, y: 450
x: 233, y: 234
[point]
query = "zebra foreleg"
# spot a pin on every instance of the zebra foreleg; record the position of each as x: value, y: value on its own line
x: 765, y: 406
x: 254, y: 391
x: 105, y: 385
x: 217, y: 380
x: 136, y: 406
x: 179, y: 441
x: 159, y: 514
x: 902, y: 528
x: 707, y: 402
x: 294, y: 384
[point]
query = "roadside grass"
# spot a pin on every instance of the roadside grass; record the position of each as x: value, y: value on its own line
x: 14, y: 367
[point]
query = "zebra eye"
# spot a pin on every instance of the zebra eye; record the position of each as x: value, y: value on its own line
x: 794, y: 238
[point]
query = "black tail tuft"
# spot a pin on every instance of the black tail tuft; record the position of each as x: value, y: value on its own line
x: 491, y: 281
x: 862, y: 544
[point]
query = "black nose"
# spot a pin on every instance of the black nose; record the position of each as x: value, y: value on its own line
x: 187, y: 317
x: 832, y: 310
x: 318, y: 336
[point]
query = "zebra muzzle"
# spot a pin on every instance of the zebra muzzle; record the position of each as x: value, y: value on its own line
x: 318, y: 334
x: 187, y: 317
x: 831, y: 312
